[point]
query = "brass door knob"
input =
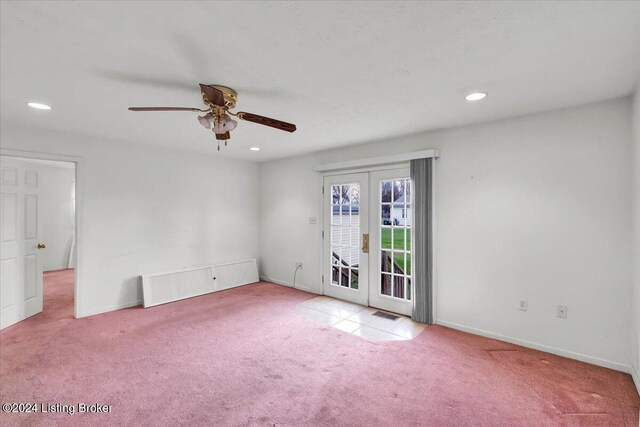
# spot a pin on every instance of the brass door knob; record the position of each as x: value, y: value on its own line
x: 41, y: 246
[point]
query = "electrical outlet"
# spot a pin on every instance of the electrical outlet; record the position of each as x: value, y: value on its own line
x: 299, y: 265
x: 562, y: 311
x: 523, y: 305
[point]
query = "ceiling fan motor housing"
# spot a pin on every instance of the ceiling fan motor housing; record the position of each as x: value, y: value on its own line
x: 230, y: 96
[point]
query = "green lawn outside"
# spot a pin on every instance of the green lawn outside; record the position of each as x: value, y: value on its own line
x: 398, y: 244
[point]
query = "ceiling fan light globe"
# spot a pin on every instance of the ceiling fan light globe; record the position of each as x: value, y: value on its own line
x: 230, y: 125
x: 210, y: 119
x: 204, y: 122
x: 218, y: 127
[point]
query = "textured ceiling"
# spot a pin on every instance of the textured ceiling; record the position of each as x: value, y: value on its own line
x: 345, y: 73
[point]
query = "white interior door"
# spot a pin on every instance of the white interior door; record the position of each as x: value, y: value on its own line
x: 20, y: 231
x: 390, y: 242
x: 345, y: 237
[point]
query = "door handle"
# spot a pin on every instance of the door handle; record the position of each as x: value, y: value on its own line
x: 365, y: 243
x: 41, y: 246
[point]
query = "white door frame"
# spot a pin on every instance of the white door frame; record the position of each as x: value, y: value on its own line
x: 326, y: 219
x: 79, y: 214
x: 381, y: 167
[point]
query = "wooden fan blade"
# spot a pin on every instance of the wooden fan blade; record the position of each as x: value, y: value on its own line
x: 213, y: 95
x: 223, y: 136
x: 250, y: 117
x: 166, y: 109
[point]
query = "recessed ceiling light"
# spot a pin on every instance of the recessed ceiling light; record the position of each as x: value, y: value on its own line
x: 254, y: 148
x: 38, y: 106
x: 476, y: 96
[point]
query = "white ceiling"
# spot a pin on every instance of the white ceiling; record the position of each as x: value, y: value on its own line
x: 345, y: 73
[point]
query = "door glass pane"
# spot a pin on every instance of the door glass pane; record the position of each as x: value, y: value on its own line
x: 395, y: 238
x: 385, y: 238
x: 354, y: 194
x: 335, y: 275
x: 350, y: 256
x: 344, y: 277
x: 345, y: 234
x: 398, y: 263
x: 385, y: 191
x: 345, y: 194
x: 398, y: 286
x: 385, y: 261
x: 398, y: 238
x: 335, y: 255
x: 398, y: 190
x: 335, y: 195
x: 385, y: 215
x: 355, y: 215
x: 385, y: 284
x: 335, y: 215
x: 354, y: 278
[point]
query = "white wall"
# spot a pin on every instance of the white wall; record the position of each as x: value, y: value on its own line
x: 535, y: 208
x: 635, y: 340
x: 55, y: 182
x: 149, y: 209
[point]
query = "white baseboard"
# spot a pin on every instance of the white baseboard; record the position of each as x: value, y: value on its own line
x: 536, y: 346
x: 636, y: 378
x: 140, y: 303
x: 108, y: 309
x: 290, y: 285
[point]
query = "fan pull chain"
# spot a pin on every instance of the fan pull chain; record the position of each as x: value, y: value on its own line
x: 218, y: 145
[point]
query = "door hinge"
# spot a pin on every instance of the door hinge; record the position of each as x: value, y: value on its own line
x: 323, y: 189
x: 323, y: 278
x: 323, y: 234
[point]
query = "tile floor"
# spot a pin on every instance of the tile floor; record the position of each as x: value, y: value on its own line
x: 358, y: 319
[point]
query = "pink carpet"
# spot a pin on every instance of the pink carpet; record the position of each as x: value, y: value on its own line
x: 244, y: 357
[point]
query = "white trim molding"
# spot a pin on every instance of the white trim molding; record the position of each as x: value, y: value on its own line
x: 541, y: 347
x: 636, y: 378
x: 79, y: 278
x: 375, y: 161
x: 108, y: 309
x: 289, y: 285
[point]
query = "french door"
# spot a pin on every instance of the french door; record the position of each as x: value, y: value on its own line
x: 346, y: 227
x: 367, y: 239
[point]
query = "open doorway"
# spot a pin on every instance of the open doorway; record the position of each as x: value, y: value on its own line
x: 38, y: 237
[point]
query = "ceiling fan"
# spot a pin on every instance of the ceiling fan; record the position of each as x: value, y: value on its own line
x: 219, y: 100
